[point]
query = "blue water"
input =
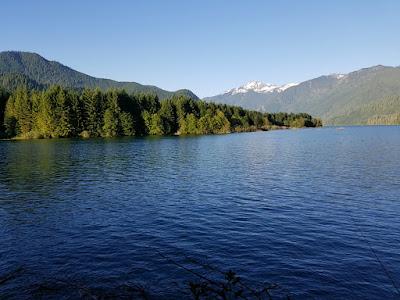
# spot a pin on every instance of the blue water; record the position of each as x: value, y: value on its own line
x: 316, y: 211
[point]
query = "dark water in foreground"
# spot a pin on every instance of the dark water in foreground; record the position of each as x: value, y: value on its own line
x: 306, y: 209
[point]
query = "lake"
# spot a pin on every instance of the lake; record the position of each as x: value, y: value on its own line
x: 315, y: 211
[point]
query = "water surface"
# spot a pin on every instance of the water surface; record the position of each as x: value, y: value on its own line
x: 315, y: 211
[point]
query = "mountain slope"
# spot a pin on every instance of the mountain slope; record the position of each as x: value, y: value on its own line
x: 34, y: 70
x: 337, y: 99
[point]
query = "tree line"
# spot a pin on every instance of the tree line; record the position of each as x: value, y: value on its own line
x: 60, y: 112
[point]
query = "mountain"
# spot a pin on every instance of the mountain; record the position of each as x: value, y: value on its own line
x: 361, y: 97
x: 260, y: 87
x: 33, y: 70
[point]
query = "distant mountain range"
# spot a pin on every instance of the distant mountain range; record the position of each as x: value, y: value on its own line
x: 366, y: 96
x: 34, y: 71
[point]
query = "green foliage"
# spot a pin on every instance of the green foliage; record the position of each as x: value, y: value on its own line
x: 92, y: 101
x: 204, y: 125
x: 11, y: 81
x: 380, y: 112
x: 127, y: 124
x: 292, y: 120
x: 191, y: 124
x: 156, y: 125
x: 169, y: 117
x: 18, y: 114
x: 389, y: 119
x: 63, y: 127
x: 220, y: 123
x: 111, y: 124
x: 3, y: 100
x: 60, y: 112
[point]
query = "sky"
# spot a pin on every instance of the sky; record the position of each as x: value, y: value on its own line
x: 207, y: 46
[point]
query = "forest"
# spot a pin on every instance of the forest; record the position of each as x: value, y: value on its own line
x: 58, y: 112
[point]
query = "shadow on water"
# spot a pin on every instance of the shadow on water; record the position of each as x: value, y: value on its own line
x: 204, y: 282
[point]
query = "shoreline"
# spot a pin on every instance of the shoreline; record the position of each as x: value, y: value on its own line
x: 149, y: 135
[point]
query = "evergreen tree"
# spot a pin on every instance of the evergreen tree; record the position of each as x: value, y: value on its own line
x: 183, y: 129
x: 63, y: 126
x: 220, y: 124
x: 191, y: 123
x: 168, y: 117
x: 112, y: 124
x: 157, y: 125
x: 92, y: 111
x: 205, y: 124
x: 3, y: 101
x: 23, y: 111
x: 127, y: 124
x: 44, y: 117
x: 60, y: 112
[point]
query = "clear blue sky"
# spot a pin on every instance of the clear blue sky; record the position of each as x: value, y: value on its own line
x: 207, y: 46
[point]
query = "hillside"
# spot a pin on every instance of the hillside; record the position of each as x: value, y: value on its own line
x: 352, y: 98
x: 33, y: 70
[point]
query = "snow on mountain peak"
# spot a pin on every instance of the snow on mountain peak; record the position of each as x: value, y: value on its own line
x: 287, y: 85
x: 338, y: 76
x: 260, y: 87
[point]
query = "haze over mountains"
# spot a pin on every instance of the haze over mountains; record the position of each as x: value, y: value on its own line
x: 33, y: 70
x: 366, y: 96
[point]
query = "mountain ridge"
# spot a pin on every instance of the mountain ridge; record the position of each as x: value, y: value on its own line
x: 359, y: 97
x: 37, y: 69
x: 332, y: 97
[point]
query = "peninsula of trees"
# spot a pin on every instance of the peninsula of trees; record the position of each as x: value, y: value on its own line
x: 60, y: 112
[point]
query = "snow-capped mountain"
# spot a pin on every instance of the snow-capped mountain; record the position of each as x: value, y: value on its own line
x: 260, y: 87
x: 358, y: 97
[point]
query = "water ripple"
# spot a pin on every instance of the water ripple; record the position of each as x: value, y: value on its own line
x: 299, y: 208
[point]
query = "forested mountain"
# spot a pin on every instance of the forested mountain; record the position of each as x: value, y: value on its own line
x: 365, y: 96
x: 43, y: 99
x: 34, y: 71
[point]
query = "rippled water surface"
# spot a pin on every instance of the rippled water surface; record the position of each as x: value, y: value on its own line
x: 316, y: 211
